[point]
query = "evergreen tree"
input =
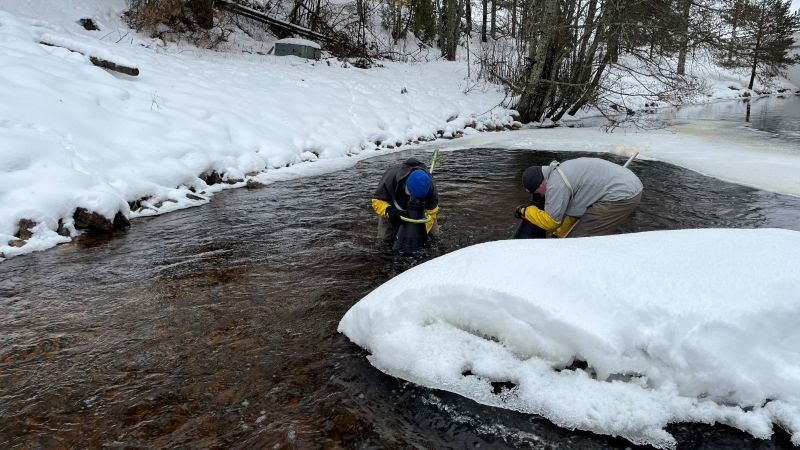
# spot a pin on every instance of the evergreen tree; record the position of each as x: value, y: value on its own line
x: 764, y: 36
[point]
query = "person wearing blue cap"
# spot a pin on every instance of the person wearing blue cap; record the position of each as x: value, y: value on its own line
x: 399, y: 184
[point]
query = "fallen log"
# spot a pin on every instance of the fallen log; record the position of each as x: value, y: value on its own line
x: 259, y: 16
x: 100, y: 62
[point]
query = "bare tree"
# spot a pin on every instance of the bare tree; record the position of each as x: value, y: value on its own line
x: 484, y: 20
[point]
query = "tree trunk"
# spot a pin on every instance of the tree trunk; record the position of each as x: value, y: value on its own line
x: 484, y: 20
x: 614, y: 19
x: 531, y: 106
x: 294, y: 12
x: 613, y: 45
x: 315, y: 17
x: 514, y: 18
x: 759, y: 36
x: 494, y: 19
x: 755, y: 66
x: 203, y: 12
x: 362, y: 26
x: 451, y: 29
x: 468, y: 17
x: 686, y: 8
x: 734, y: 26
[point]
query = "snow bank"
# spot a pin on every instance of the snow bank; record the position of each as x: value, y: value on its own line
x: 298, y: 41
x: 75, y: 135
x: 675, y: 326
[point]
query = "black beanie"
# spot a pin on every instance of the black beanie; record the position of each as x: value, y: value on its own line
x: 532, y: 178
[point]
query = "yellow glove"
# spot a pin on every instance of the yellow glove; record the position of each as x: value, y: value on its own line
x: 540, y: 218
x: 565, y: 226
x: 431, y: 212
x: 380, y: 207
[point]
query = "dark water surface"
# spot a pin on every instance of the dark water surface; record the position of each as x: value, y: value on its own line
x: 216, y: 326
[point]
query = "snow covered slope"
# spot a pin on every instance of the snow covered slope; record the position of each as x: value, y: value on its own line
x: 674, y: 326
x: 75, y: 135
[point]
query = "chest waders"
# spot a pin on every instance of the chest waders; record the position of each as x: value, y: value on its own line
x: 527, y: 230
x: 412, y: 235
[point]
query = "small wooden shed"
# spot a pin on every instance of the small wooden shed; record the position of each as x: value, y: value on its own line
x: 298, y: 47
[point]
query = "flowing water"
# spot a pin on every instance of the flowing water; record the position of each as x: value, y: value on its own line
x: 216, y: 326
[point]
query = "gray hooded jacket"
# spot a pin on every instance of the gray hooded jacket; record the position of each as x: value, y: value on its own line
x: 592, y: 180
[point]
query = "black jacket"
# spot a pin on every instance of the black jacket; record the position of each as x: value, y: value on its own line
x: 392, y: 185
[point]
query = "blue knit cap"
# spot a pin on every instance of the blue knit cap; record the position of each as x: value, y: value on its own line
x: 418, y: 184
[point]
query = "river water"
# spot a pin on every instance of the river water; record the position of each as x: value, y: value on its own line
x: 216, y: 326
x: 768, y: 117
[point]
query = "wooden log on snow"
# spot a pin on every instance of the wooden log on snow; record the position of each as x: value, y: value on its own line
x: 100, y: 62
x: 110, y: 65
x: 259, y: 16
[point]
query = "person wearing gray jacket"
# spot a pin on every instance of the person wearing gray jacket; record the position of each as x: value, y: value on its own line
x: 583, y: 197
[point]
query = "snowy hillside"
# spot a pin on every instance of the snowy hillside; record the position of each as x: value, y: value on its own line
x: 74, y: 135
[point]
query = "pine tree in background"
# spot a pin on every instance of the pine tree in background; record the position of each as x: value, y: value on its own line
x: 450, y: 27
x: 763, y: 38
x: 423, y: 20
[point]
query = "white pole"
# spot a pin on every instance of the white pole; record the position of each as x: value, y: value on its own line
x: 434, y: 158
x: 630, y: 159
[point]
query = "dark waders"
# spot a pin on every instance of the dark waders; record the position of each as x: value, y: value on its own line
x: 527, y: 230
x: 411, y: 236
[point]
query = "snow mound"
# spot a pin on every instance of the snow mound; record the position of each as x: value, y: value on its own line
x: 298, y: 41
x: 617, y: 335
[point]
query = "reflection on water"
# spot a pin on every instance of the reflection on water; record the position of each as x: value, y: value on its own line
x: 778, y: 117
x: 775, y: 117
x: 216, y: 326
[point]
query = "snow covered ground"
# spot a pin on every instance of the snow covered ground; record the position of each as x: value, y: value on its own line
x: 673, y: 326
x: 75, y: 135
